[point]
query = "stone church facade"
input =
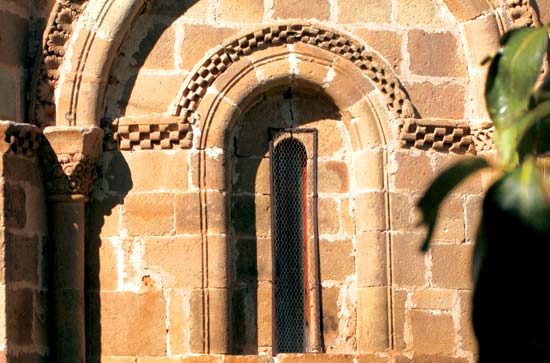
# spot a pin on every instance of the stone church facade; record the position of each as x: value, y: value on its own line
x: 150, y: 149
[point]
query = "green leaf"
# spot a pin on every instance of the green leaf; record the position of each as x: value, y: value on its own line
x: 513, y: 74
x: 519, y: 136
x: 535, y: 120
x: 430, y: 203
x: 522, y: 193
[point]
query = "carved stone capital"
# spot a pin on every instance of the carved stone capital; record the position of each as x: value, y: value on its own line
x: 69, y: 156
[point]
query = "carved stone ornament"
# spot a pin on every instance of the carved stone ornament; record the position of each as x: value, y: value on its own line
x: 69, y: 156
x: 159, y: 133
x: 483, y: 138
x: 134, y: 136
x: 69, y: 174
x: 370, y: 63
x: 521, y: 13
x: 441, y: 135
x: 445, y: 135
x: 19, y: 139
x: 57, y: 34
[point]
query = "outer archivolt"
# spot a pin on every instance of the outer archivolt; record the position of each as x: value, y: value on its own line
x: 57, y: 34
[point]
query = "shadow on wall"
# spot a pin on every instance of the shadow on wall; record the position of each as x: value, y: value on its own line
x: 150, y: 25
x: 24, y: 271
x: 115, y: 181
x: 113, y: 184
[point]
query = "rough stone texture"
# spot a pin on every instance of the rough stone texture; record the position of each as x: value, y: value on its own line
x: 152, y: 93
x: 161, y: 55
x: 400, y: 319
x: 167, y: 254
x: 473, y: 210
x: 466, y: 330
x: 432, y: 334
x: 372, y: 319
x: 452, y: 266
x: 8, y: 95
x: 435, y: 54
x: 467, y: 9
x: 371, y: 358
x: 315, y: 358
x: 124, y: 313
x: 403, y: 212
x: 352, y: 11
x: 544, y: 6
x: 252, y: 175
x: 179, y: 324
x: 431, y: 358
x: 409, y: 261
x: 140, y: 219
x: 430, y: 100
x: 330, y: 317
x: 418, y: 12
x: 198, y: 40
x: 190, y: 359
x: 478, y: 46
x: 368, y: 173
x: 21, y: 254
x: 450, y: 225
x: 414, y: 170
x: 15, y: 45
x: 15, y: 208
x: 170, y: 170
x: 307, y: 9
x: 371, y: 259
x: 234, y: 11
x: 19, y: 309
x: 433, y: 299
x: 333, y: 177
x: 388, y: 43
x: 369, y: 209
x: 329, y: 219
x: 108, y: 267
x: 247, y: 359
x: 337, y: 259
x: 187, y: 220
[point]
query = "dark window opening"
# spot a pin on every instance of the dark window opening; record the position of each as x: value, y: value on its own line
x: 292, y: 190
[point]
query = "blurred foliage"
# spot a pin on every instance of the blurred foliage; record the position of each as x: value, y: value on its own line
x: 512, y: 249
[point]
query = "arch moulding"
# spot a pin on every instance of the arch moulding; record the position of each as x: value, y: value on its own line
x: 441, y: 135
x: 71, y: 73
x: 225, y: 84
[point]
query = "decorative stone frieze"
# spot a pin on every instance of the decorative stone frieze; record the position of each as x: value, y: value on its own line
x: 521, y: 13
x: 57, y: 35
x: 19, y: 139
x: 231, y: 52
x: 441, y: 135
x: 163, y: 133
x: 483, y: 138
x: 150, y: 136
x: 69, y: 156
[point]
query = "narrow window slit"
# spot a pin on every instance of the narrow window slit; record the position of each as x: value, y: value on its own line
x: 295, y: 240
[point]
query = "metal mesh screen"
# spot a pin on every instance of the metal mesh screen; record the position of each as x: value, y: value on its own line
x: 291, y: 201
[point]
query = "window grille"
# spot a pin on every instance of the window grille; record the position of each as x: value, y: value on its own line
x: 293, y: 162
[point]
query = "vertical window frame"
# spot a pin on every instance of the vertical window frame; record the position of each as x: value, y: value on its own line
x: 313, y: 313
